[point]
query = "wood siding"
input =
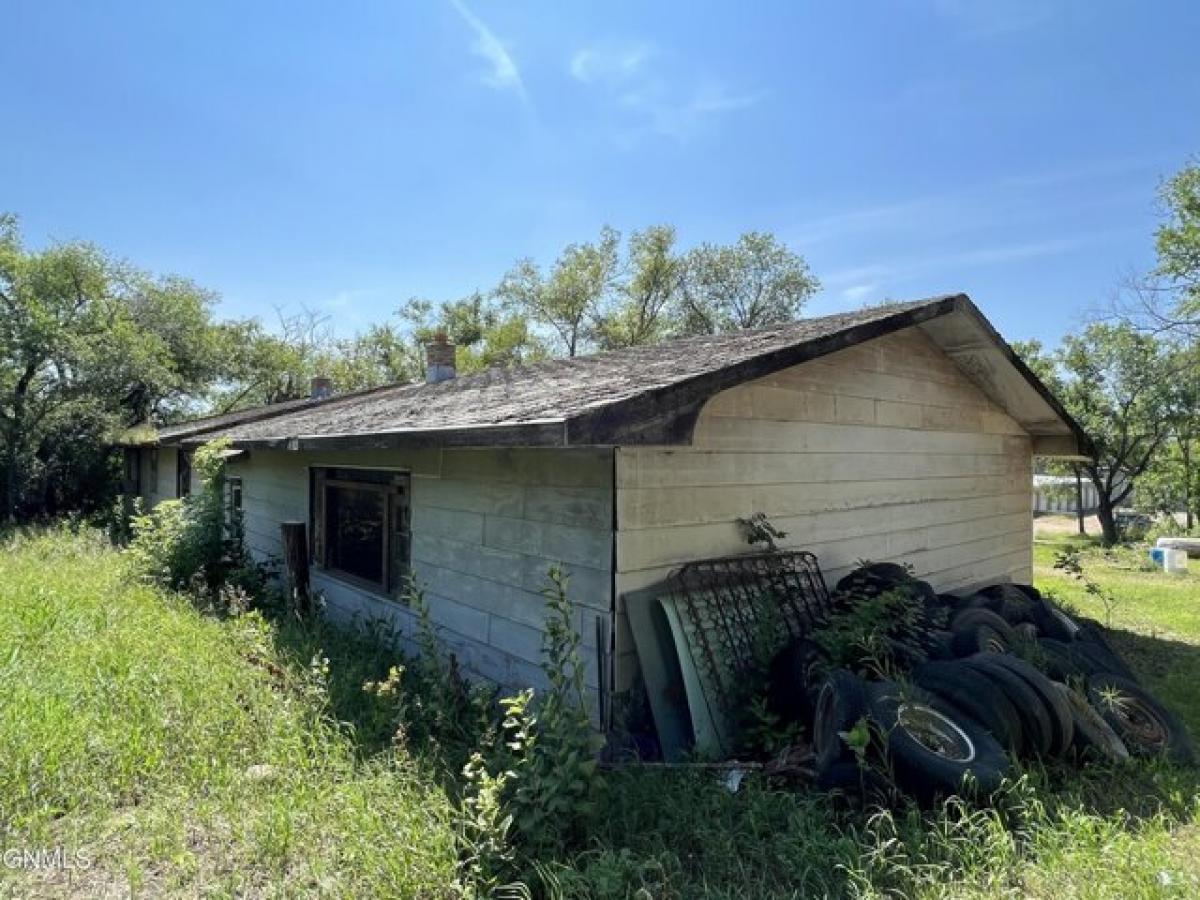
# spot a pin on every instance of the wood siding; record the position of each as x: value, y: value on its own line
x: 486, y: 525
x: 884, y: 451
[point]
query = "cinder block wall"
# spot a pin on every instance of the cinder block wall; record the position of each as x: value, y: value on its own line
x: 487, y: 525
x: 884, y: 451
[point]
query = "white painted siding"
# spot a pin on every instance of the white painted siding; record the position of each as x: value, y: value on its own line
x: 487, y: 525
x: 884, y: 451
x: 156, y: 489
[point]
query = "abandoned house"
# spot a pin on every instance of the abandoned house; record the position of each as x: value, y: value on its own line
x: 904, y: 432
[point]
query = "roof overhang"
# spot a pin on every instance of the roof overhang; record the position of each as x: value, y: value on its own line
x: 954, y: 324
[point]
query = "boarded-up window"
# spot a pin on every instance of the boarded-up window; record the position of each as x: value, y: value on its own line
x: 360, y: 525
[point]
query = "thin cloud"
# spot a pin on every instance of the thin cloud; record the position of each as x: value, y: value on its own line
x: 504, y: 74
x: 1020, y: 194
x: 611, y: 64
x: 857, y: 282
x: 631, y: 78
x: 859, y: 292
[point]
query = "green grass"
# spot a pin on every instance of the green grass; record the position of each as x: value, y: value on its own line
x: 184, y: 754
x: 194, y: 755
x: 1155, y: 616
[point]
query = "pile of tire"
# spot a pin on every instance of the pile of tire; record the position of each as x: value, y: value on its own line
x: 980, y: 680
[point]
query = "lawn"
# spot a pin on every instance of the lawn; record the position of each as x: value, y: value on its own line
x: 187, y: 754
x: 1156, y: 616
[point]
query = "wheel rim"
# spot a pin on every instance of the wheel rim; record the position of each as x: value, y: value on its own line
x: 1140, y: 723
x: 935, y: 732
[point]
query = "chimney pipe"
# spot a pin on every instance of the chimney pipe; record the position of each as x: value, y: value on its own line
x: 320, y: 388
x: 439, y: 359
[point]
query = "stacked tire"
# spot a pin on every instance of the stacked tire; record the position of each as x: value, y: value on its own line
x: 997, y: 675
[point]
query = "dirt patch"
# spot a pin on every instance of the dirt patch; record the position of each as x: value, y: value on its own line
x: 1064, y: 524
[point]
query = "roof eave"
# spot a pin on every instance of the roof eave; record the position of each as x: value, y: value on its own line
x: 535, y: 434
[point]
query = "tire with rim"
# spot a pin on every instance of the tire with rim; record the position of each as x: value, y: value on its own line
x: 1062, y: 725
x: 1146, y: 727
x: 841, y: 703
x: 934, y: 749
x: 1035, y: 718
x: 1093, y: 735
x: 977, y: 696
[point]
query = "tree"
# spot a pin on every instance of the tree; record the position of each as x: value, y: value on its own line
x: 569, y: 299
x: 751, y: 284
x: 87, y: 345
x: 640, y: 312
x: 1178, y: 241
x: 484, y: 333
x: 1172, y: 482
x: 1116, y: 384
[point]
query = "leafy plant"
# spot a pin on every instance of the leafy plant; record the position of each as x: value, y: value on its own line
x: 864, y: 631
x: 432, y: 705
x: 1070, y: 562
x: 548, y: 758
x: 195, y: 543
x: 757, y: 529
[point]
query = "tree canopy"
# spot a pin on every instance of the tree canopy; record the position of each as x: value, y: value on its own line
x: 91, y: 346
x: 1118, y: 383
x: 1178, y: 240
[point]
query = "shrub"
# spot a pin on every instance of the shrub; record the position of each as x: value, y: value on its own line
x: 194, y: 543
x: 546, y: 769
x: 431, y: 705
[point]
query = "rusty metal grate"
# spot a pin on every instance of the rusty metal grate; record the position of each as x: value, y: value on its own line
x: 737, y: 611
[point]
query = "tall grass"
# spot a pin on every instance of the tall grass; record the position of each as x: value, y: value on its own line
x: 186, y: 754
x: 198, y: 755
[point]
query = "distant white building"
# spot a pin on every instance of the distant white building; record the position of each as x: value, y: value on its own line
x: 1058, y: 493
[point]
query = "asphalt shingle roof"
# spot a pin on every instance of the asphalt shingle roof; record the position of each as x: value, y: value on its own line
x: 637, y: 395
x: 548, y: 392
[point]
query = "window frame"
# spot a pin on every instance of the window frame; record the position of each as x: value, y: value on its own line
x: 234, y: 489
x: 395, y: 489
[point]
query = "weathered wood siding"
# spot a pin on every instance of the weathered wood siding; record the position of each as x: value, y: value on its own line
x: 487, y: 525
x: 884, y: 451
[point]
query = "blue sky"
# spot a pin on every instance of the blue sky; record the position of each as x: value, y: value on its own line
x: 348, y: 156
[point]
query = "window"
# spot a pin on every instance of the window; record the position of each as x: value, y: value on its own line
x: 360, y: 525
x: 233, y: 504
x: 183, y: 474
x: 154, y: 470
